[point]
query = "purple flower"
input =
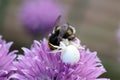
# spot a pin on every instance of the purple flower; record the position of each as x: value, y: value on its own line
x: 39, y: 64
x: 39, y: 16
x: 6, y: 59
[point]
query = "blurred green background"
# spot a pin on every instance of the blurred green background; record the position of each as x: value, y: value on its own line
x: 96, y: 23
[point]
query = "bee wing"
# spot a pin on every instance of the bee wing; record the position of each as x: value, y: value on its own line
x: 57, y: 20
x: 56, y: 23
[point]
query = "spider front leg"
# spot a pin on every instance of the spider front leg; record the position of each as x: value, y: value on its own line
x: 76, y: 43
x: 58, y: 48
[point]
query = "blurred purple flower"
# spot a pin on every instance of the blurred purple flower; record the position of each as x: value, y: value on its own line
x: 39, y: 64
x: 39, y: 16
x: 6, y: 59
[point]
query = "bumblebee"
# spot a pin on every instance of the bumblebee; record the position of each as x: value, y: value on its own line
x: 64, y: 31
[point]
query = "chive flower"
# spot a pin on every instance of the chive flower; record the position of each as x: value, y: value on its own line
x: 38, y: 16
x: 38, y: 63
x: 6, y: 59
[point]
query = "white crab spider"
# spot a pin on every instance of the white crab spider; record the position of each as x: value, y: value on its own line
x: 69, y: 51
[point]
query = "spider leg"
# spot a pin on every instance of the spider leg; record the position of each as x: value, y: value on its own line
x: 64, y: 42
x: 77, y: 44
x: 62, y: 45
x: 58, y: 49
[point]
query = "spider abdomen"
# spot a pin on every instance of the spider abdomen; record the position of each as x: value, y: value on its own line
x: 70, y: 55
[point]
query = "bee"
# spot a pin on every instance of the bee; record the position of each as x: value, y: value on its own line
x: 64, y: 31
